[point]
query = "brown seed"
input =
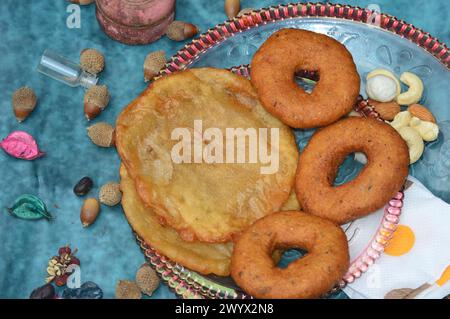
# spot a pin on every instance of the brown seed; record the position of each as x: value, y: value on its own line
x: 95, y: 101
x: 147, y: 279
x: 110, y: 194
x: 24, y: 101
x: 179, y: 30
x: 153, y: 63
x: 422, y: 113
x: 102, y: 134
x: 386, y: 110
x: 232, y: 8
x: 126, y: 289
x: 82, y: 2
x: 89, y: 211
x: 92, y: 61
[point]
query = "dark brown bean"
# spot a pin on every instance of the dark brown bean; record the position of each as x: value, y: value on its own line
x: 83, y: 186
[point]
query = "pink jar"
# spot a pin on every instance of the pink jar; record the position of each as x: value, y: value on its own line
x: 135, y: 21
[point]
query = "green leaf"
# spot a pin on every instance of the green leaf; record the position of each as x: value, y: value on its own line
x: 29, y: 207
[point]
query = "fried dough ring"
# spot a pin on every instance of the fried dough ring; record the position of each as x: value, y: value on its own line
x: 288, y: 51
x: 383, y: 176
x: 326, y: 262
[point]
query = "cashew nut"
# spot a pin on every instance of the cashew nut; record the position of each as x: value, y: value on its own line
x: 415, y: 91
x: 414, y: 141
x: 402, y: 119
x: 429, y: 131
x: 382, y: 85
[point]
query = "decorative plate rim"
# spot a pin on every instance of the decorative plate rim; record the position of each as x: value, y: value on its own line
x: 191, y: 51
x: 192, y: 287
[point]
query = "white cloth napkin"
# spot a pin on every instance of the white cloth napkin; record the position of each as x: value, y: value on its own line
x: 417, y: 255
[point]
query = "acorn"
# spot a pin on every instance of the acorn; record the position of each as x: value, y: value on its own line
x: 232, y: 8
x: 147, y: 279
x: 102, y: 134
x: 23, y: 101
x: 95, y: 101
x: 179, y: 30
x: 110, y: 194
x: 82, y: 2
x: 126, y: 289
x: 89, y: 211
x: 92, y: 61
x: 153, y: 63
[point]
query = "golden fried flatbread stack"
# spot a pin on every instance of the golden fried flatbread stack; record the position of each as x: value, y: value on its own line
x: 190, y: 211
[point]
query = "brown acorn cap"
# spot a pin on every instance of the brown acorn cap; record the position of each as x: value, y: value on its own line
x: 24, y: 101
x: 179, y: 30
x: 110, y: 194
x: 126, y: 289
x: 153, y: 63
x: 147, y: 279
x: 102, y: 134
x: 92, y: 61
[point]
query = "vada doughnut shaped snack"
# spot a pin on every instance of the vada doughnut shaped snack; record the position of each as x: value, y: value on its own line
x: 288, y: 51
x: 384, y: 174
x: 327, y: 260
x: 205, y: 202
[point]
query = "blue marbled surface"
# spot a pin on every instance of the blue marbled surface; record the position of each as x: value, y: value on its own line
x: 107, y: 249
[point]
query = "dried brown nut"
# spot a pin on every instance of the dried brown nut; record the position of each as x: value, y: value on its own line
x: 110, y: 194
x: 126, y: 289
x: 147, y: 279
x: 95, y: 101
x: 89, y: 211
x: 386, y: 110
x: 153, y: 63
x: 232, y: 8
x: 23, y: 101
x: 82, y: 2
x: 92, y: 61
x: 83, y: 186
x: 179, y: 30
x: 102, y: 134
x: 422, y: 113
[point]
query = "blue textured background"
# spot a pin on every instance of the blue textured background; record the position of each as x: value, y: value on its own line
x: 107, y: 249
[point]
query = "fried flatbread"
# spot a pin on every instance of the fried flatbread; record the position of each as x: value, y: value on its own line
x: 201, y: 257
x: 205, y: 202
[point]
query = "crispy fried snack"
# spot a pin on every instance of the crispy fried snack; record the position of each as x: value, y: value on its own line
x: 327, y: 260
x: 205, y: 202
x: 201, y: 257
x: 382, y: 177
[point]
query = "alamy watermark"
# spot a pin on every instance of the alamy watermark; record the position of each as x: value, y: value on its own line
x: 73, y: 20
x: 233, y: 145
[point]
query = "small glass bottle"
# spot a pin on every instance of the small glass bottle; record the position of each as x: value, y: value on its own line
x: 60, y: 68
